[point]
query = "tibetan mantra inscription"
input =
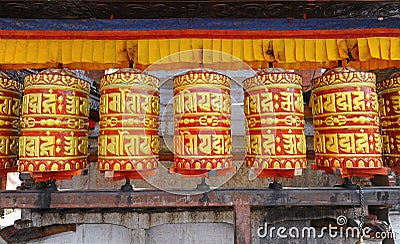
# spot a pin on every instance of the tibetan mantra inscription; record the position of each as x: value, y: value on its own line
x: 389, y: 111
x: 54, y: 127
x: 274, y: 110
x: 346, y: 123
x: 129, y: 110
x: 10, y: 102
x: 202, y: 136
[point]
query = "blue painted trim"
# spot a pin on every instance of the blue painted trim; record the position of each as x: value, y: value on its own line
x: 202, y: 24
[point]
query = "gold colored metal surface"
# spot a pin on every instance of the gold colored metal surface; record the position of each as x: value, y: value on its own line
x: 343, y: 75
x: 274, y: 110
x: 389, y: 111
x: 57, y: 77
x: 129, y: 110
x: 202, y: 136
x: 54, y: 123
x: 346, y: 122
x: 10, y: 102
x: 130, y: 76
x: 272, y: 76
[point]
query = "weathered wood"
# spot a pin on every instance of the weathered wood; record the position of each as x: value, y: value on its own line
x: 141, y: 199
x: 125, y: 9
x: 242, y: 224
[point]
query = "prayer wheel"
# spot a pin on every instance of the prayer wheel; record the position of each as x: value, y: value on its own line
x: 202, y: 135
x: 274, y: 110
x: 129, y: 111
x: 346, y: 123
x: 389, y: 111
x: 10, y: 101
x: 54, y: 127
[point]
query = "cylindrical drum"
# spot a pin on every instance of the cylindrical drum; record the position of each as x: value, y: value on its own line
x: 274, y: 110
x: 54, y: 133
x: 389, y: 110
x: 346, y: 123
x: 10, y: 101
x: 202, y: 135
x: 129, y: 111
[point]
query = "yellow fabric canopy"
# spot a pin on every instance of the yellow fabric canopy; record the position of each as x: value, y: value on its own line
x: 364, y: 53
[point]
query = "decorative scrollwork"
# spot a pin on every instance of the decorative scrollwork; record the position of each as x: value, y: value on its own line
x: 392, y: 82
x: 201, y: 77
x: 60, y: 77
x: 272, y: 76
x: 189, y: 9
x: 130, y: 77
x: 343, y: 75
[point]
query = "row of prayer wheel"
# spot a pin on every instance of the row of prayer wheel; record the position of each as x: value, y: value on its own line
x: 52, y: 129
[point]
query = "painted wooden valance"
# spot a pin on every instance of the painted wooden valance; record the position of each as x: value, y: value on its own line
x: 176, y: 43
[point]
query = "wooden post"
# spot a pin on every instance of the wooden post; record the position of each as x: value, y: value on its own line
x: 242, y: 224
x: 380, y: 211
x: 3, y: 183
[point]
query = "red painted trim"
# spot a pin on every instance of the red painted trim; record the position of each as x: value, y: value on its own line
x: 192, y: 33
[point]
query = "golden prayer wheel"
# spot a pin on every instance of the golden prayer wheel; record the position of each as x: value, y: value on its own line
x: 202, y: 135
x: 346, y: 123
x: 10, y: 102
x: 129, y: 111
x: 274, y: 110
x: 389, y: 111
x: 54, y: 127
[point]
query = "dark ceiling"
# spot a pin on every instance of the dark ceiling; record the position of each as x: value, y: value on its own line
x: 135, y: 9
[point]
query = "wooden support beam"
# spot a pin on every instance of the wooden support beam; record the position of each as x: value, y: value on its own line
x: 149, y: 198
x: 242, y: 224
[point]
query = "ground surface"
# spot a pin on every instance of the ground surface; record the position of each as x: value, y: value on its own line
x: 395, y: 221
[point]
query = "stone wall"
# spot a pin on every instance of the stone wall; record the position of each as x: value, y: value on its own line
x: 205, y: 225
